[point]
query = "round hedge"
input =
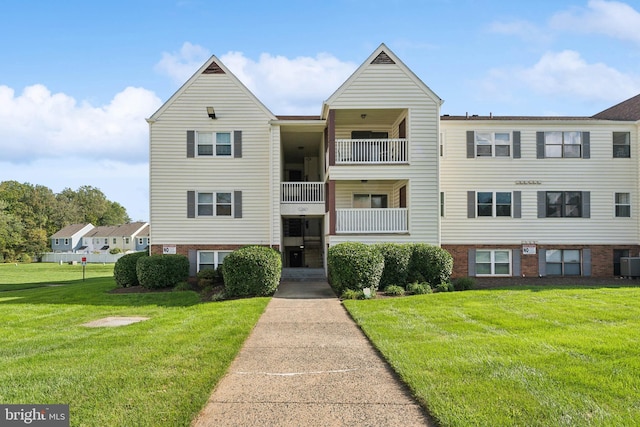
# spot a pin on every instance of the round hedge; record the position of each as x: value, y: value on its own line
x: 251, y: 271
x: 396, y: 263
x: 124, y: 272
x: 430, y: 263
x: 162, y: 271
x: 355, y: 266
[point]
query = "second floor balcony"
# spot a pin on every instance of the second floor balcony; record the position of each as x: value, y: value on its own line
x: 302, y: 198
x: 372, y: 151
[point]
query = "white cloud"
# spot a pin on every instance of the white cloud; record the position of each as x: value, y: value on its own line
x: 285, y: 85
x: 40, y: 124
x: 563, y: 75
x: 611, y: 18
x: 181, y: 65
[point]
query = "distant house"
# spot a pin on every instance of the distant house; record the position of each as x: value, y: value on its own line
x: 142, y: 239
x: 85, y: 238
x: 69, y: 239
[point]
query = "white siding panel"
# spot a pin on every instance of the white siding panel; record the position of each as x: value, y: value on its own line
x: 601, y: 175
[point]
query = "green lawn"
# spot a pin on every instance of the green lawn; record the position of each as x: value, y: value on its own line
x: 515, y: 357
x: 159, y: 372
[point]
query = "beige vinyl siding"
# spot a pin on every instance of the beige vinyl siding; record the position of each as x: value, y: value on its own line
x: 394, y: 87
x: 173, y: 174
x: 601, y: 175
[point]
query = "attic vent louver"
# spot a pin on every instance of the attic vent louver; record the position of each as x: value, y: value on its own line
x: 383, y: 58
x: 213, y: 68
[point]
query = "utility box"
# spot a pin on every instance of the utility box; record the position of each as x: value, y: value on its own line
x: 630, y: 266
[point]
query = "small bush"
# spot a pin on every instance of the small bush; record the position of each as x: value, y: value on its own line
x: 430, y: 264
x: 394, y: 290
x: 444, y: 287
x: 207, y: 277
x: 464, y: 283
x: 252, y: 271
x: 354, y: 265
x: 396, y: 263
x: 162, y: 271
x: 124, y: 272
x: 183, y: 286
x: 352, y: 294
x: 114, y: 251
x: 25, y: 258
x: 419, y: 288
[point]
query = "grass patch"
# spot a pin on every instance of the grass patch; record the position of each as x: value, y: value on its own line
x: 154, y: 373
x: 533, y: 356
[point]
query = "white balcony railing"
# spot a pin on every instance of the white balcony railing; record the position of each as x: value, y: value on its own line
x: 302, y: 192
x: 372, y: 151
x: 393, y: 220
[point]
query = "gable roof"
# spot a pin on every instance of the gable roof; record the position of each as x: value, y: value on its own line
x: 628, y: 110
x: 212, y: 66
x: 381, y: 56
x: 70, y: 230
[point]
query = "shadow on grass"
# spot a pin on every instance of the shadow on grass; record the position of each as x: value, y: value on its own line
x: 93, y: 291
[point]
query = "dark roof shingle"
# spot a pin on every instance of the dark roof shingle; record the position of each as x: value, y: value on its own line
x: 628, y: 110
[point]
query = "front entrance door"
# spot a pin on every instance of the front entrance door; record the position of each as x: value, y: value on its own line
x: 295, y: 258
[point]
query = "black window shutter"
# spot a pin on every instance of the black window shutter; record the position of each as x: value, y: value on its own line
x: 471, y: 262
x: 471, y: 204
x: 516, y: 266
x: 193, y: 262
x: 517, y: 204
x: 237, y: 204
x: 237, y: 144
x: 542, y: 262
x: 471, y: 140
x: 516, y: 144
x: 586, y: 145
x: 540, y: 145
x: 542, y: 204
x: 586, y: 204
x: 191, y: 204
x: 191, y: 143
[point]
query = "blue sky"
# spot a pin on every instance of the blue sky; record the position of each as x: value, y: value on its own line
x: 78, y: 78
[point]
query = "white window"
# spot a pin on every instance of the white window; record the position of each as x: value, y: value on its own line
x: 493, y: 144
x: 66, y: 241
x: 114, y: 241
x: 623, y: 205
x: 373, y: 201
x: 563, y: 262
x: 493, y: 204
x: 206, y: 141
x: 496, y: 262
x: 563, y: 144
x: 56, y: 241
x: 126, y: 240
x: 621, y: 144
x: 442, y: 136
x: 211, y: 259
x: 215, y: 204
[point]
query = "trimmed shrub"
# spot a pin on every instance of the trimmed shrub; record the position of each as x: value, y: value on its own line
x: 25, y: 258
x: 352, y: 294
x: 354, y: 265
x: 464, y: 283
x: 162, y: 271
x: 124, y: 272
x: 430, y: 264
x: 419, y: 288
x: 252, y: 271
x: 394, y: 290
x: 207, y: 277
x: 114, y: 251
x: 444, y: 287
x: 396, y: 263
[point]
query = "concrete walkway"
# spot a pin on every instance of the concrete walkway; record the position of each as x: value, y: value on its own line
x: 306, y: 363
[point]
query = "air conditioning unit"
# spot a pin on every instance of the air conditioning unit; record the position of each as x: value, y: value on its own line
x: 630, y: 266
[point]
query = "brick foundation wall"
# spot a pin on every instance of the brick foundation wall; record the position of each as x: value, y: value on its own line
x: 184, y: 249
x: 601, y: 257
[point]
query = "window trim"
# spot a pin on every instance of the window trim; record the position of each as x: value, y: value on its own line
x: 493, y: 144
x: 493, y: 262
x: 214, y: 144
x: 494, y: 205
x: 214, y: 204
x: 353, y: 195
x: 216, y: 257
x: 627, y: 144
x: 562, y: 263
x: 56, y: 242
x: 616, y: 204
x: 585, y: 204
